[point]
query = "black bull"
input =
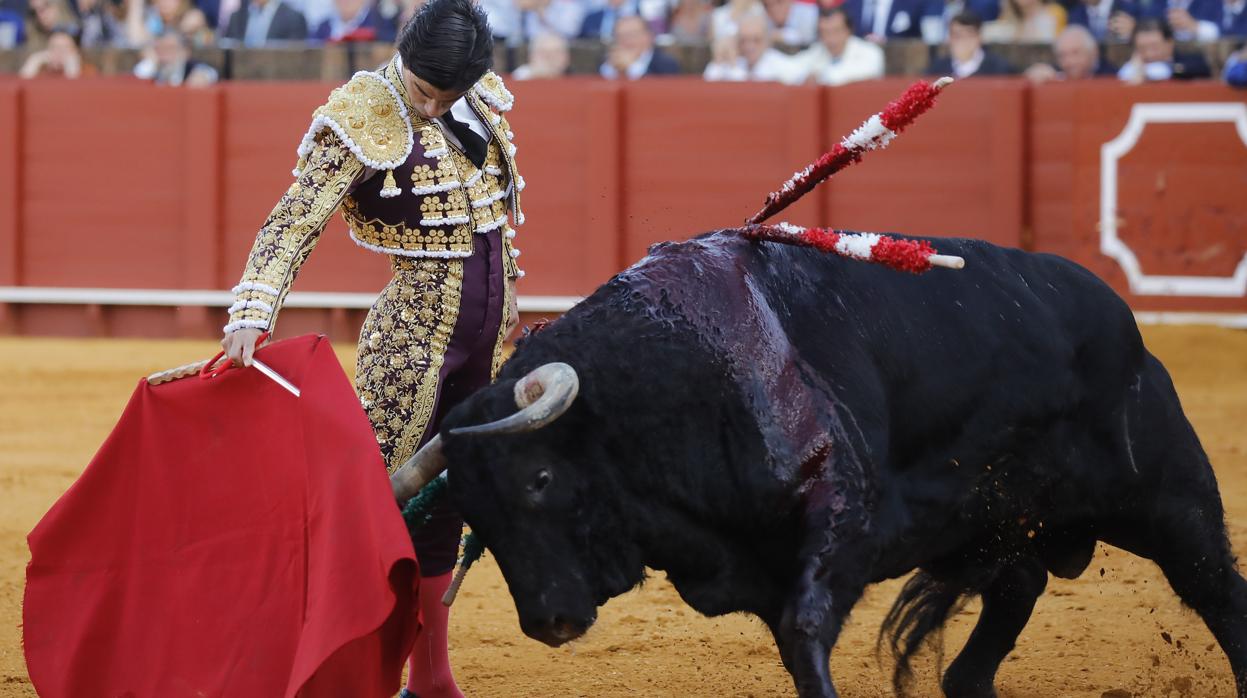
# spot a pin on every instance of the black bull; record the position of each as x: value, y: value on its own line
x: 776, y: 428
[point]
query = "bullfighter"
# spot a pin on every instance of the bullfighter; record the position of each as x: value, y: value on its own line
x: 418, y: 157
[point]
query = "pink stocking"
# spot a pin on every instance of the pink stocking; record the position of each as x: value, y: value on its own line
x: 430, y: 675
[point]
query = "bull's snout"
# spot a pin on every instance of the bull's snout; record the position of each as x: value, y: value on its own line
x: 556, y: 630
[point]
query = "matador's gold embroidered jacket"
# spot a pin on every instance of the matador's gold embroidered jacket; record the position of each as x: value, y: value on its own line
x: 402, y: 187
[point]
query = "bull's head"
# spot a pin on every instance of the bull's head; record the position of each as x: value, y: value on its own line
x: 541, y: 396
x: 524, y: 490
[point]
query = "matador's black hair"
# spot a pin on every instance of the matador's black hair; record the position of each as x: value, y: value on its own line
x: 448, y: 43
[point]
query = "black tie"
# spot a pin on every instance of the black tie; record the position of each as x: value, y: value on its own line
x: 473, y: 145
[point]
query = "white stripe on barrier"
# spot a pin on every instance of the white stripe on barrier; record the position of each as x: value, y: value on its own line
x: 173, y: 297
x: 1231, y: 320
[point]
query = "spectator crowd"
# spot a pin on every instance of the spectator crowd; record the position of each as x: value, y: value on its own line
x: 830, y: 42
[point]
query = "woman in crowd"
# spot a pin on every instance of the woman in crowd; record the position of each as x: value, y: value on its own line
x: 61, y: 58
x: 1025, y: 22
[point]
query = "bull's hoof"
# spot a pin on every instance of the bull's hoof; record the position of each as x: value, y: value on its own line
x: 967, y: 687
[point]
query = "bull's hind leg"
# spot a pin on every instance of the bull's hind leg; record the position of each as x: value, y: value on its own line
x: 1177, y: 520
x: 1007, y: 605
x: 1187, y: 540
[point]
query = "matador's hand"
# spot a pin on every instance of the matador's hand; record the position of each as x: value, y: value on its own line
x: 239, y: 345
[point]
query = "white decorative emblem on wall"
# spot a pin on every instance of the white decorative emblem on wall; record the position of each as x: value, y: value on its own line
x: 1115, y: 247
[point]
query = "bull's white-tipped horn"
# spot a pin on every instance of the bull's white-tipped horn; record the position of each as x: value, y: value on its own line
x: 419, y: 470
x: 542, y: 396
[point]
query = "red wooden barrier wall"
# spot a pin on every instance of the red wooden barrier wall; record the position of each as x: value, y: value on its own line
x: 115, y: 184
x: 1182, y: 188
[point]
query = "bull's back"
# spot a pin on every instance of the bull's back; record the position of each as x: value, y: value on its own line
x: 1038, y: 308
x: 1013, y: 338
x: 1012, y: 326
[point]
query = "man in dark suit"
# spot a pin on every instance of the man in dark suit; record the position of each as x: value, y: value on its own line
x: 632, y: 55
x: 1106, y: 19
x: 1191, y: 20
x: 880, y: 20
x: 261, y: 21
x: 600, y: 24
x: 1077, y: 58
x: 1154, y: 57
x: 966, y: 55
x: 1231, y: 19
x: 356, y: 20
x: 1235, y: 73
x: 1205, y: 20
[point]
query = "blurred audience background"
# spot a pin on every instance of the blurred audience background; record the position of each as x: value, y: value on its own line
x: 828, y: 42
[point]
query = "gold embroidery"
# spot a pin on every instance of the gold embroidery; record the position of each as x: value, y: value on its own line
x: 402, y: 350
x: 492, y: 83
x: 367, y: 113
x: 455, y: 166
x: 456, y: 203
x: 371, y: 231
x: 503, y: 157
x: 509, y: 266
x: 392, y: 73
x: 431, y: 138
x: 294, y: 226
x: 426, y: 176
x: 499, y: 355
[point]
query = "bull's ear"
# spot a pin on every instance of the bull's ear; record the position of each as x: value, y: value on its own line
x: 542, y: 396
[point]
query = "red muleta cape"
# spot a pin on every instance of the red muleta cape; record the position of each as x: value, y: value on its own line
x: 229, y: 539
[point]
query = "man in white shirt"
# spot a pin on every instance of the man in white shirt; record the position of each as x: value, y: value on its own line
x: 757, y: 60
x: 839, y: 57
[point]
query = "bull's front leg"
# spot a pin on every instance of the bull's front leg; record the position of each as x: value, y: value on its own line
x: 810, y: 622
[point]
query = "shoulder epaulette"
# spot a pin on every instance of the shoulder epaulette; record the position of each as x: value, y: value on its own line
x: 370, y: 118
x: 491, y: 89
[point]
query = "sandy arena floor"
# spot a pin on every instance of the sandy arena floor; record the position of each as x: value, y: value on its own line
x: 1117, y: 632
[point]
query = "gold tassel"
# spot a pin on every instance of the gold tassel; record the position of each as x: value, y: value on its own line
x: 390, y: 188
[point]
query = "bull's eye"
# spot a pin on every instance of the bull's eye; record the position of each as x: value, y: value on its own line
x: 541, y: 481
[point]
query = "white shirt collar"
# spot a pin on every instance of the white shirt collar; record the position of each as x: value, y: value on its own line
x: 970, y: 67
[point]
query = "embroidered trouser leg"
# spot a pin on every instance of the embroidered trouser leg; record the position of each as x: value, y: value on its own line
x: 432, y: 338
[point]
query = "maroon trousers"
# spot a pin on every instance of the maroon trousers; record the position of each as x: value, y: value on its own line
x: 466, y: 369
